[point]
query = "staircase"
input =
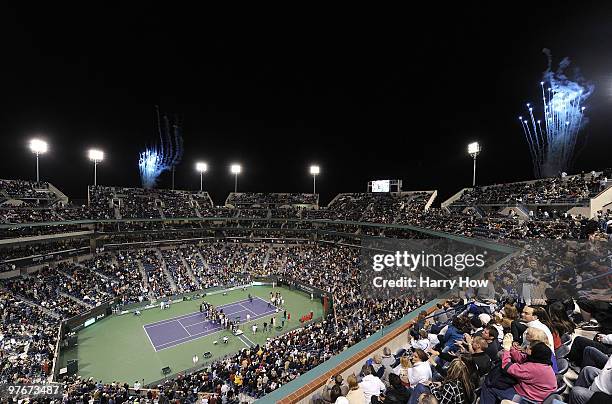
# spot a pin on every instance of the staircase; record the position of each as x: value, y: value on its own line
x: 164, y: 268
x: 145, y: 278
x: 189, y: 270
x: 267, y: 257
x: 196, y: 207
x: 58, y: 194
x: 203, y: 260
x: 117, y: 212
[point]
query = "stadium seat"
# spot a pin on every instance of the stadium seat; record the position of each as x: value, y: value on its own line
x: 562, y: 366
x: 562, y: 351
x: 566, y: 339
x: 561, y: 386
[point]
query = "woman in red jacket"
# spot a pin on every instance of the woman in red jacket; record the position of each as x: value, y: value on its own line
x: 533, y: 371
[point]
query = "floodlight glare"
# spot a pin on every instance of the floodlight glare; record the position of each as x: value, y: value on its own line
x: 96, y: 155
x: 235, y: 169
x: 473, y: 148
x: 201, y: 167
x: 314, y: 171
x: 38, y: 146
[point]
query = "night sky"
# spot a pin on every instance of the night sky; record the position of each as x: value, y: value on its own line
x: 397, y: 95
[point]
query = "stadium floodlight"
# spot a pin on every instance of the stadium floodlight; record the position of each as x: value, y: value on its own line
x: 38, y: 147
x: 202, y: 168
x: 474, y: 150
x: 314, y: 171
x: 236, y: 169
x: 96, y: 156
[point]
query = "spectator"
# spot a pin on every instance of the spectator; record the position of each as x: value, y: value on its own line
x: 355, y: 394
x: 456, y: 388
x: 533, y: 371
x: 397, y: 393
x: 326, y: 395
x: 592, y: 379
x: 531, y: 316
x: 370, y: 384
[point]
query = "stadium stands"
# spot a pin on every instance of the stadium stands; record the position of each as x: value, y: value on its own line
x: 262, y: 235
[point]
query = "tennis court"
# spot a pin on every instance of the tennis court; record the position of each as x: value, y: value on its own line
x: 178, y: 330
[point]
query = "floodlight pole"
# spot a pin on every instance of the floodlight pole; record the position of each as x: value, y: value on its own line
x: 235, y: 182
x: 201, y: 172
x: 314, y: 183
x: 95, y: 172
x: 37, y: 173
x: 474, y: 177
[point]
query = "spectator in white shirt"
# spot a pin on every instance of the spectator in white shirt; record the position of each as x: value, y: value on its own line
x: 420, y: 370
x: 416, y: 371
x: 422, y: 342
x: 530, y: 317
x: 370, y: 384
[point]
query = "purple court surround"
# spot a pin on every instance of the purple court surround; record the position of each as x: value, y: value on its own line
x: 188, y: 327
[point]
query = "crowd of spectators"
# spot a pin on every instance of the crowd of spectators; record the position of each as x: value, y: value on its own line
x: 43, y: 248
x: 157, y: 280
x: 491, y: 345
x: 574, y: 190
x: 28, y: 337
x: 247, y: 199
x: 184, y: 281
x: 45, y: 289
x: 25, y: 190
x: 32, y: 231
x: 83, y: 283
x: 121, y: 276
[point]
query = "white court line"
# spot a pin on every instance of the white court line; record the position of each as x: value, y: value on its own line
x: 169, y: 320
x: 248, y: 309
x: 188, y: 333
x: 248, y: 346
x: 214, y: 331
x: 247, y: 338
x: 149, y: 337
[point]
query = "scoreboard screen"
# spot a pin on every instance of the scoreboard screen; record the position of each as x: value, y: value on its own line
x: 381, y: 186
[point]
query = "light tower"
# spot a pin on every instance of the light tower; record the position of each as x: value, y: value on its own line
x: 96, y: 156
x: 314, y: 171
x: 474, y: 150
x: 202, y: 168
x: 38, y: 147
x: 236, y: 169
